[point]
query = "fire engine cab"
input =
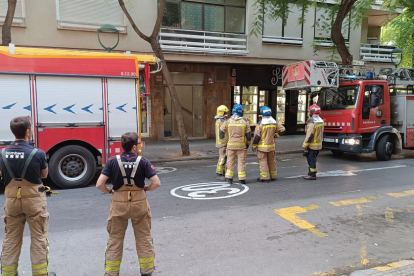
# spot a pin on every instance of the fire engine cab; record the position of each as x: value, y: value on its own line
x: 80, y: 104
x: 363, y: 111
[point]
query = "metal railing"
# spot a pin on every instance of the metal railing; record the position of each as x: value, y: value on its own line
x: 201, y: 42
x: 377, y: 53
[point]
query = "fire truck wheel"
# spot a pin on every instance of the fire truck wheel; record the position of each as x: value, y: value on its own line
x: 384, y: 148
x: 337, y: 152
x: 72, y: 167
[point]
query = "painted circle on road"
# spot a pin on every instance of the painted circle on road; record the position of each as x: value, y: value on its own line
x: 162, y: 170
x: 209, y: 190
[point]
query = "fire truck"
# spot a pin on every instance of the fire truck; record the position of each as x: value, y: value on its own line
x: 363, y: 110
x: 80, y: 104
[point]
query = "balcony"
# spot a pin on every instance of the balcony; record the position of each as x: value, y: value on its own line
x: 377, y: 53
x: 201, y: 42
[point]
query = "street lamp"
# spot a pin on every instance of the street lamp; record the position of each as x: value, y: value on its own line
x: 108, y: 29
x: 397, y: 61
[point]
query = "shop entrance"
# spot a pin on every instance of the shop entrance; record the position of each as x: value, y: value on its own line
x: 189, y: 88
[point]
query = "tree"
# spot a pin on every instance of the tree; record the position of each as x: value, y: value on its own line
x: 6, y: 30
x: 340, y: 12
x: 152, y: 40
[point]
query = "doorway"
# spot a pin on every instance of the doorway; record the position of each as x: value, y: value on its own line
x: 189, y: 88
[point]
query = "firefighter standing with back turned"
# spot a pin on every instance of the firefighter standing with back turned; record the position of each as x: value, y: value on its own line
x: 221, y: 117
x: 313, y: 140
x: 127, y: 173
x: 238, y: 141
x: 23, y: 168
x: 264, y: 142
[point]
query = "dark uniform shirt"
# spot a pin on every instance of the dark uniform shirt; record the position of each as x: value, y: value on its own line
x: 18, y: 152
x: 112, y: 170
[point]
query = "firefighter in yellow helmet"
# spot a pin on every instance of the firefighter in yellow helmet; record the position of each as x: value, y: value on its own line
x: 221, y: 117
x: 238, y: 141
x: 313, y: 140
x: 264, y: 142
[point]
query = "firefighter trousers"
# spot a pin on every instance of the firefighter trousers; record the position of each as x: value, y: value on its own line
x: 129, y: 203
x: 221, y: 161
x: 241, y: 163
x: 312, y: 158
x: 267, y: 164
x: 24, y: 203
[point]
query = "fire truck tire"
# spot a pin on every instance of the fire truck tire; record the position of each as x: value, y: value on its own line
x: 384, y: 148
x: 337, y: 152
x: 72, y: 167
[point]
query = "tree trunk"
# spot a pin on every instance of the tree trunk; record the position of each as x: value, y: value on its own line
x: 185, y: 148
x: 6, y: 31
x: 336, y: 33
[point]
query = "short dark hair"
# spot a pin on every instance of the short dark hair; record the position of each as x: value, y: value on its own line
x: 20, y: 125
x: 128, y: 140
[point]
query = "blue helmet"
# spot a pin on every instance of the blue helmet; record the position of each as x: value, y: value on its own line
x: 265, y: 111
x: 238, y: 110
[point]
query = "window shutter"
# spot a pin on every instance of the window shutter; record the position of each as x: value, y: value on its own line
x: 323, y: 22
x: 18, y: 19
x: 92, y: 13
x: 293, y: 29
x: 272, y: 27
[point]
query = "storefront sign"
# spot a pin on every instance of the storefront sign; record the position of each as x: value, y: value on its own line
x: 158, y: 78
x: 210, y: 80
x: 276, y: 76
x: 233, y: 72
x: 233, y: 81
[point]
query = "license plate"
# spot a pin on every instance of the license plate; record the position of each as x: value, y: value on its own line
x: 329, y: 140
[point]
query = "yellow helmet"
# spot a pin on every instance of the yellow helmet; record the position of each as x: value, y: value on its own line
x: 222, y: 110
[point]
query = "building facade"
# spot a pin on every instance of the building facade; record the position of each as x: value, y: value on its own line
x: 209, y: 50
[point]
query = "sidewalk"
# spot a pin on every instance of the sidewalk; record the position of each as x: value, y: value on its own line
x: 166, y: 151
x: 401, y: 268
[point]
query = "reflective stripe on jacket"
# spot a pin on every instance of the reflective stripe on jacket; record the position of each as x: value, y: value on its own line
x: 314, y: 135
x: 236, y: 131
x: 220, y: 143
x: 268, y: 133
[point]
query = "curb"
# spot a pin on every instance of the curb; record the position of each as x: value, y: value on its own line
x: 401, y: 268
x: 208, y: 157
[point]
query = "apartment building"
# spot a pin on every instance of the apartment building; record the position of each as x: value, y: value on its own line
x: 209, y: 51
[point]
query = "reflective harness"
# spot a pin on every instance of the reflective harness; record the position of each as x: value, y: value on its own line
x: 128, y: 180
x: 4, y: 156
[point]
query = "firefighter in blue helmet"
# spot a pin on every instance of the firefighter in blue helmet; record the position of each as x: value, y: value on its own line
x: 238, y: 133
x: 264, y: 142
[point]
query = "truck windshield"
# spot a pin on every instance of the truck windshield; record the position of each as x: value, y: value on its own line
x: 344, y: 97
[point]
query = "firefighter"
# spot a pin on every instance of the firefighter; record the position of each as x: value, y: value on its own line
x: 221, y: 117
x: 127, y: 172
x: 313, y: 139
x: 23, y: 167
x: 264, y: 142
x: 238, y: 140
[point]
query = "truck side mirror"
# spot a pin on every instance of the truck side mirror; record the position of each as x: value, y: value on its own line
x: 375, y: 96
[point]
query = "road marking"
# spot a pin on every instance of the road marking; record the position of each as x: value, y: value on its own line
x: 289, y: 214
x: 405, y: 193
x: 361, y: 200
x: 163, y: 170
x: 388, y: 266
x: 214, y: 190
x: 362, y: 241
x: 389, y: 214
x: 348, y: 173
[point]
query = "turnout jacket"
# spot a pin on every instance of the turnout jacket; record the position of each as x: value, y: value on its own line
x: 314, y: 133
x: 266, y: 132
x: 220, y: 143
x: 238, y: 133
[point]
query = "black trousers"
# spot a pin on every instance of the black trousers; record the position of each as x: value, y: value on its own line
x: 312, y: 159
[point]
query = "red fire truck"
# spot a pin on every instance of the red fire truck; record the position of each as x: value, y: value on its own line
x: 80, y: 104
x: 362, y: 113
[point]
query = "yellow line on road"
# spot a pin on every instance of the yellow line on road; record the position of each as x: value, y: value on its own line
x: 364, y: 254
x: 289, y: 214
x: 389, y: 214
x: 361, y: 200
x: 388, y: 266
x: 405, y: 193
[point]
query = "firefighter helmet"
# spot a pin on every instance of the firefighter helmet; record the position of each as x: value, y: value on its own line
x: 314, y: 109
x: 222, y: 110
x: 265, y: 111
x: 238, y: 110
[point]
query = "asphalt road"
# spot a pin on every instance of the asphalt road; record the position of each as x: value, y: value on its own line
x: 358, y: 214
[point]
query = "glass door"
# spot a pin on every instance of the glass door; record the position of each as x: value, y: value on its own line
x: 250, y: 103
x: 280, y: 105
x: 302, y: 106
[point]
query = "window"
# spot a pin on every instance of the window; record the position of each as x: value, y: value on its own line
x: 89, y: 14
x: 344, y: 97
x: 206, y: 15
x: 19, y: 15
x: 292, y: 32
x: 324, y: 19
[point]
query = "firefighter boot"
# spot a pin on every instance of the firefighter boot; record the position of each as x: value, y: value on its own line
x: 148, y: 274
x: 263, y: 180
x: 312, y: 176
x: 242, y: 181
x: 229, y: 180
